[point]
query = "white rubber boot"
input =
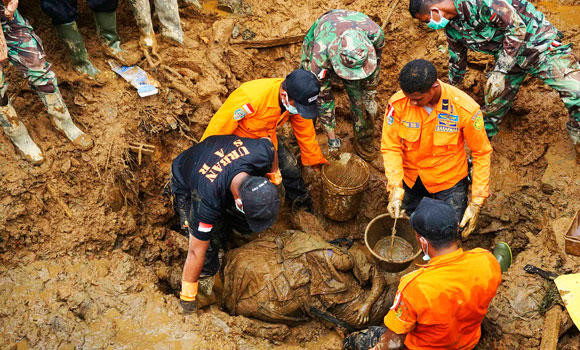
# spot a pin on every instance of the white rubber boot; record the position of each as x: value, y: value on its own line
x: 19, y: 136
x: 62, y: 120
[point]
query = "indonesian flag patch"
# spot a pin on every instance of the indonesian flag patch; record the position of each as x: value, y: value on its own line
x: 240, y: 113
x: 203, y: 227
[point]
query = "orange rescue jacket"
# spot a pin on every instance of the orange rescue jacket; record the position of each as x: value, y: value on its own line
x: 253, y: 110
x: 431, y: 146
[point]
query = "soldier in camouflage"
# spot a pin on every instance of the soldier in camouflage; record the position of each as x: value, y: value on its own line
x: 24, y: 51
x: 522, y: 41
x: 346, y: 45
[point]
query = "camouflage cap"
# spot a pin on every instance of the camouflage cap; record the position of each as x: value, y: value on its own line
x: 352, y: 55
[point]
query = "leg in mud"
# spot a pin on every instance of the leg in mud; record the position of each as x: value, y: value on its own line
x: 413, y: 196
x: 495, y: 110
x: 560, y: 69
x: 168, y: 13
x: 362, y: 122
x: 142, y: 13
x: 296, y: 191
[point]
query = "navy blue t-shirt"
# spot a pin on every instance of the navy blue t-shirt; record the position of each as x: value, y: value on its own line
x: 205, y: 171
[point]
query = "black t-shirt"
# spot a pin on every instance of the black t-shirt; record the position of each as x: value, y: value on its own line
x: 205, y: 171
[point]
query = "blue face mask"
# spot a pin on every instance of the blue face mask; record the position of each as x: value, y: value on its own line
x: 438, y: 25
x: 291, y: 109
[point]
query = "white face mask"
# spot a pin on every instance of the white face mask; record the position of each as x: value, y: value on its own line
x: 291, y: 109
x: 426, y: 257
x: 239, y: 205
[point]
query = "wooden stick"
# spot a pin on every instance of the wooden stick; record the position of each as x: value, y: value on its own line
x: 551, y: 329
x: 388, y: 17
x: 56, y: 197
x: 393, y: 233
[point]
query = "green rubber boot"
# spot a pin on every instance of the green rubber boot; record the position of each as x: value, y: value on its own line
x: 69, y: 34
x: 503, y: 254
x: 107, y: 29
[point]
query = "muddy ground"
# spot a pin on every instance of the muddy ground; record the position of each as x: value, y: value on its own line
x: 89, y: 258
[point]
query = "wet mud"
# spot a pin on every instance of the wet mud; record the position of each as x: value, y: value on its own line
x: 89, y: 256
x: 399, y: 251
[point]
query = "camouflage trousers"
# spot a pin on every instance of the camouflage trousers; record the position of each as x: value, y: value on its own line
x: 359, y: 93
x: 558, y: 68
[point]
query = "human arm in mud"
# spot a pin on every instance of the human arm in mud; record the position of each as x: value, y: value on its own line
x: 191, y: 272
x: 457, y: 58
x: 378, y: 286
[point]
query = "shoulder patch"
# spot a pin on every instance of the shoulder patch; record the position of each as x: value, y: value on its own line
x: 245, y: 110
x: 389, y: 115
x: 478, y: 120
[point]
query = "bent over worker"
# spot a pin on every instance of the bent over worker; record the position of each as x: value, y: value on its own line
x: 23, y: 49
x: 258, y: 107
x: 218, y: 186
x: 522, y: 41
x: 441, y: 304
x: 424, y: 132
x: 344, y: 45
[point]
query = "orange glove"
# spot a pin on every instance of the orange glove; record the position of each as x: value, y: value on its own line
x: 275, y: 177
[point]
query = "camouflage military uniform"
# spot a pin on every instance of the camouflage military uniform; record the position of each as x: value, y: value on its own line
x: 317, y: 58
x: 522, y: 42
x: 25, y: 52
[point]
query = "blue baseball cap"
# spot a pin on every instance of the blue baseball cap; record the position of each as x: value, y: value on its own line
x: 303, y: 87
x: 435, y: 220
x: 260, y: 202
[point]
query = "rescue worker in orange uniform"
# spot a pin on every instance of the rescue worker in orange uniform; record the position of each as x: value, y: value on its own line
x: 257, y: 108
x: 424, y: 132
x: 442, y: 304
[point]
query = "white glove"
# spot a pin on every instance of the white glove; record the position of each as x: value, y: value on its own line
x: 494, y: 87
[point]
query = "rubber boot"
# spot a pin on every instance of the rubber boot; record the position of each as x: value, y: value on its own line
x: 364, y: 148
x: 19, y: 136
x: 69, y: 34
x: 142, y: 13
x: 107, y: 29
x: 503, y: 254
x: 62, y: 120
x: 168, y: 13
x: 575, y: 137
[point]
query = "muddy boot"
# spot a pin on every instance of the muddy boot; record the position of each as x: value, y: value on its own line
x: 107, y: 29
x: 364, y: 148
x: 62, y: 120
x: 19, y: 136
x: 69, y: 34
x: 168, y: 13
x: 503, y: 254
x: 575, y: 137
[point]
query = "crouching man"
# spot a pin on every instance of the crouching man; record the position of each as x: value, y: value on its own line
x: 219, y: 185
x: 440, y: 305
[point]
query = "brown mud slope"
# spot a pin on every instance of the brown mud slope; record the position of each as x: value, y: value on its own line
x: 88, y: 258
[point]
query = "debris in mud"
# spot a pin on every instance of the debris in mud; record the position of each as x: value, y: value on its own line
x: 238, y: 7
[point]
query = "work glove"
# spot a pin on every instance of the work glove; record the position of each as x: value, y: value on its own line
x: 275, y: 177
x: 494, y: 86
x: 396, y: 202
x: 187, y: 297
x: 470, y: 216
x: 333, y: 145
